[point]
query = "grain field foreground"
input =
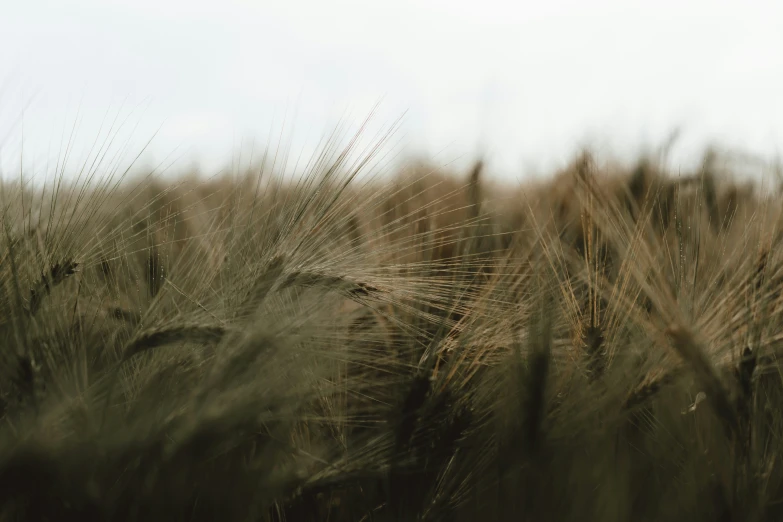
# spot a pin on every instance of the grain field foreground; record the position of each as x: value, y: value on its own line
x: 602, y: 345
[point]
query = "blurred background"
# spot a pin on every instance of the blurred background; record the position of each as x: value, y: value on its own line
x: 524, y: 84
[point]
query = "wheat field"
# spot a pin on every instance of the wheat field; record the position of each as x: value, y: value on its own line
x: 438, y: 345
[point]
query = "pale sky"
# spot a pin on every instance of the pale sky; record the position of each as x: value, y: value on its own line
x: 524, y: 82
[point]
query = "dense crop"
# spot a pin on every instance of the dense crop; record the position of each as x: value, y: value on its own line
x: 599, y: 346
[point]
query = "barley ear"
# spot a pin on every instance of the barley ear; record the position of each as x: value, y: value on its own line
x: 58, y: 273
x: 163, y: 336
x: 474, y: 190
x: 687, y: 347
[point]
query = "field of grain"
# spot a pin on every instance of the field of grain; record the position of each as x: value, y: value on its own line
x: 436, y: 346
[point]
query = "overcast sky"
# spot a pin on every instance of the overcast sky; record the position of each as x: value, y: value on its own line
x: 526, y: 83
